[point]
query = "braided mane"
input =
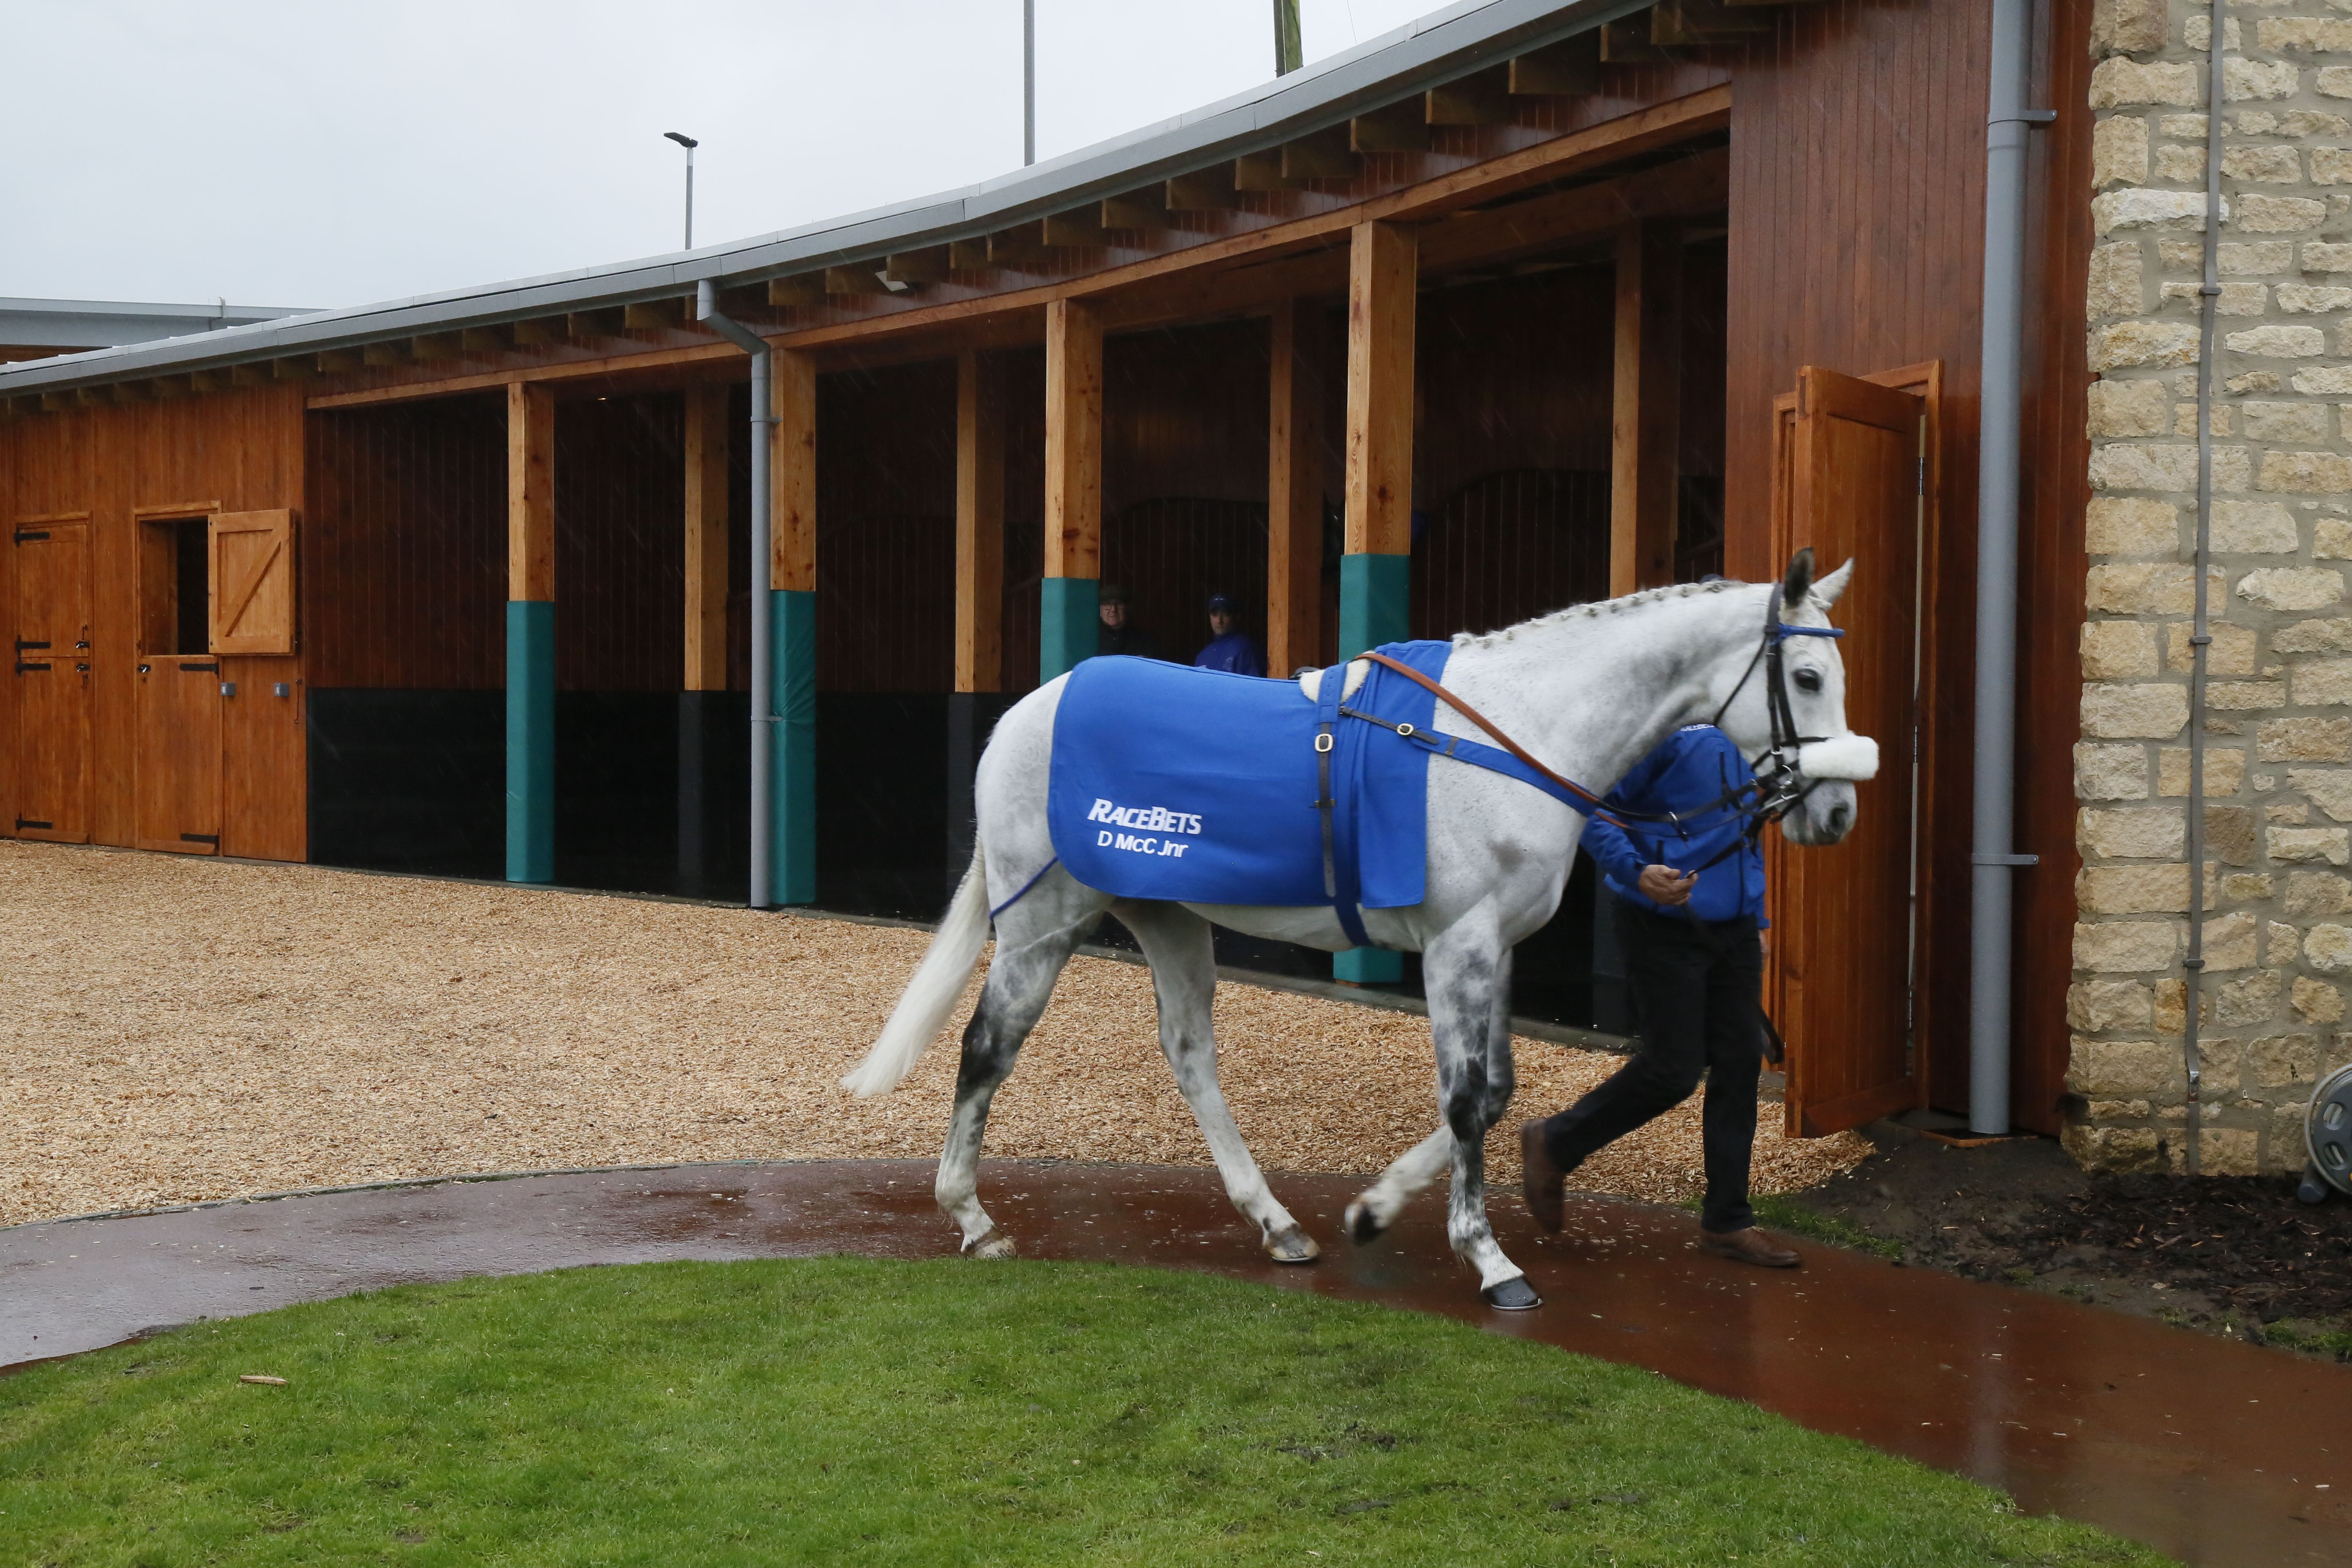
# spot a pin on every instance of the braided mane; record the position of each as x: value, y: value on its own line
x: 1597, y: 607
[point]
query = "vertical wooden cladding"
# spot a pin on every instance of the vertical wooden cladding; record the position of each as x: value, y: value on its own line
x: 792, y: 472
x: 1646, y: 437
x: 885, y: 546
x: 403, y: 565
x: 1510, y: 546
x: 1856, y: 244
x: 531, y: 491
x: 1074, y: 403
x: 709, y: 438
x: 1294, y: 546
x: 619, y: 540
x: 979, y: 522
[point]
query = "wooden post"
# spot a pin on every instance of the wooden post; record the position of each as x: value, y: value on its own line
x: 980, y: 524
x: 706, y: 538
x: 1375, y: 574
x: 792, y: 579
x: 1646, y: 426
x: 1074, y: 358
x: 1293, y: 534
x: 530, y: 633
x: 704, y: 669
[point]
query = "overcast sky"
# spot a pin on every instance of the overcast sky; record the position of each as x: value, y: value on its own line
x: 329, y: 153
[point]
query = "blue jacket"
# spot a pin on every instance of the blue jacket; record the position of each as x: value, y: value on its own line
x: 1235, y: 653
x: 1689, y: 771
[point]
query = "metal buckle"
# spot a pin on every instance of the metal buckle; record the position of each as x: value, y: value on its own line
x: 1406, y: 731
x: 1323, y: 741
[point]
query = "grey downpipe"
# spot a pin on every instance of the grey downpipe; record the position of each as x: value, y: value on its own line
x: 763, y: 702
x: 2208, y: 296
x: 1993, y: 857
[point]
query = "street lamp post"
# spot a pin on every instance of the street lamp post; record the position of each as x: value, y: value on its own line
x: 689, y: 143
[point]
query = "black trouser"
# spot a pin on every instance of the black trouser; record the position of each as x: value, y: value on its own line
x: 1697, y: 985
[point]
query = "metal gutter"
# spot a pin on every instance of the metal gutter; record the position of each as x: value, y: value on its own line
x: 1993, y: 858
x: 1451, y: 43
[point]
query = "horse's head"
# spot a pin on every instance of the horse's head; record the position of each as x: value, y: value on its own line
x: 1812, y: 735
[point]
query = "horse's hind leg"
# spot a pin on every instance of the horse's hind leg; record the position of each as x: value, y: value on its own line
x: 1184, y: 979
x: 1030, y: 953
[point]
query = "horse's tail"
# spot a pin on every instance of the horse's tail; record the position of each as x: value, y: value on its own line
x: 916, y: 1021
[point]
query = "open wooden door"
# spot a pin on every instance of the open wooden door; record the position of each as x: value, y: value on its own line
x: 1849, y: 480
x: 51, y: 670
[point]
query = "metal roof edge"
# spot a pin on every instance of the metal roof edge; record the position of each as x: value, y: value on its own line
x: 1449, y: 43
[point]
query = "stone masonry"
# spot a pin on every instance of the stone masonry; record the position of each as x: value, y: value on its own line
x: 2278, y: 760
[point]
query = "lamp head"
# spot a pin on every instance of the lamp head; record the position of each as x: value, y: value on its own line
x: 682, y: 139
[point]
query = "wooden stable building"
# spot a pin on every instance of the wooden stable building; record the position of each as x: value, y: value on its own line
x: 1530, y: 303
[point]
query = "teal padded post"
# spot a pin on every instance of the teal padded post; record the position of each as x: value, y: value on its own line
x: 1070, y: 618
x: 530, y: 741
x: 1375, y: 604
x: 794, y: 774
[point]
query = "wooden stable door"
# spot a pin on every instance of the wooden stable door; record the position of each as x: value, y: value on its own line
x: 1849, y: 480
x: 180, y: 753
x: 51, y: 678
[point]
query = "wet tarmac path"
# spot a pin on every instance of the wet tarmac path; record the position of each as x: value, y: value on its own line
x: 2213, y: 1451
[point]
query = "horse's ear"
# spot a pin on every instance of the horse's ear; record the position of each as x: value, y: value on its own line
x: 1800, y: 580
x: 1827, y: 590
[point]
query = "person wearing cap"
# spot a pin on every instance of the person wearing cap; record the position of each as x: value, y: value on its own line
x: 1229, y: 648
x: 1118, y: 633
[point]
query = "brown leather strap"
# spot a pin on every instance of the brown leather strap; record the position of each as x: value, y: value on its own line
x: 1385, y: 662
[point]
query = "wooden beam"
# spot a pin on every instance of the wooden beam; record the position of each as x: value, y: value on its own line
x: 1382, y: 276
x: 651, y: 315
x: 486, y: 340
x: 1569, y: 68
x: 1083, y: 227
x: 1074, y: 369
x: 1203, y: 190
x: 379, y: 354
x: 968, y: 254
x: 929, y: 265
x: 293, y: 369
x: 706, y: 538
x: 250, y: 374
x: 803, y: 289
x: 1263, y: 171
x: 857, y: 280
x: 1021, y: 243
x: 603, y: 323
x: 1646, y: 423
x: 1401, y: 127
x: 1686, y: 187
x: 426, y: 347
x: 1324, y: 155
x: 180, y: 386
x: 979, y: 523
x: 791, y: 473
x: 1483, y: 98
x: 126, y: 392
x: 1705, y: 22
x: 1137, y: 212
x: 1628, y: 43
x: 206, y: 381
x: 531, y: 491
x: 543, y: 332
x: 1293, y: 534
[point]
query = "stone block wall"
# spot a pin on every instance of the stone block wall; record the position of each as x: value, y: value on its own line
x: 2278, y: 759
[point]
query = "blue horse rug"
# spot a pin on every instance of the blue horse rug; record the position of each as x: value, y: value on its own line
x: 1199, y: 786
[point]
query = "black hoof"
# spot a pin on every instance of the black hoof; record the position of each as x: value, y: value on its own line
x: 1514, y: 1295
x: 1363, y: 1227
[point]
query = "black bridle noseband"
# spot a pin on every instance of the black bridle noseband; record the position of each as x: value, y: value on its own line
x: 1780, y: 780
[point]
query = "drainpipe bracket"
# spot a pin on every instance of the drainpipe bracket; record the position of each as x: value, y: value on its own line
x: 2004, y: 859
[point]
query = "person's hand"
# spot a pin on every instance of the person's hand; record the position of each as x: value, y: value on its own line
x: 1764, y: 946
x: 1665, y: 885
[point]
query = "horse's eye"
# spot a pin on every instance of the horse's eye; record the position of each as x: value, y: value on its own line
x: 1808, y: 680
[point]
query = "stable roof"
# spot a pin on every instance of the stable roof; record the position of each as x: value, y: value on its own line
x: 1453, y: 42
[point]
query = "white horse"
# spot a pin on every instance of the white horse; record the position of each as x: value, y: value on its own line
x: 1588, y: 691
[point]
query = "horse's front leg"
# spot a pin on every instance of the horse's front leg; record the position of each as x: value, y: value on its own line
x: 1464, y: 971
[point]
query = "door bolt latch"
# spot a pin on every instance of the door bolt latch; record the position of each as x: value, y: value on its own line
x: 228, y: 689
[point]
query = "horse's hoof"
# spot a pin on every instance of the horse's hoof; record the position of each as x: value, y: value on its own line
x: 1292, y: 1244
x: 1364, y: 1227
x: 1512, y: 1295
x: 994, y: 1244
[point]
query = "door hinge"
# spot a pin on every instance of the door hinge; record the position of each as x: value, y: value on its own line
x: 211, y: 839
x: 200, y: 669
x: 21, y: 645
x: 24, y: 822
x: 22, y: 667
x: 27, y: 536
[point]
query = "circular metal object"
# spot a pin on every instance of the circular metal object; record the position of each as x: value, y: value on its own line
x: 2328, y: 1129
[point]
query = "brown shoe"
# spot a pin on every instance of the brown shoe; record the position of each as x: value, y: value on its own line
x: 1747, y: 1246
x: 1542, y: 1179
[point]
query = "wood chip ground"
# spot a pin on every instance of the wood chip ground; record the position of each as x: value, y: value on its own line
x: 174, y: 1029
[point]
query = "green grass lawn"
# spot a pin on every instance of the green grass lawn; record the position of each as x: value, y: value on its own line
x: 844, y: 1410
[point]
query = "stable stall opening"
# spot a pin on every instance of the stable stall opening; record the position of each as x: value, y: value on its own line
x: 175, y: 587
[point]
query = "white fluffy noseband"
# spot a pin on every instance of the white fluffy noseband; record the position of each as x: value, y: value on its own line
x: 1851, y: 757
